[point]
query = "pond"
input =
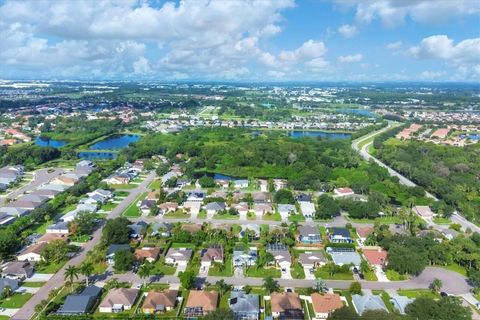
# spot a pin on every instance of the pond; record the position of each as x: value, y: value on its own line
x: 359, y: 112
x: 321, y: 134
x: 215, y: 176
x: 46, y: 142
x: 96, y: 155
x: 114, y: 142
x: 471, y: 136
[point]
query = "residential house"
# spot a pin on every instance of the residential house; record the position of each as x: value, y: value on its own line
x: 345, y: 256
x: 263, y: 184
x: 14, y: 211
x: 324, y: 304
x: 113, y: 249
x: 375, y: 257
x: 138, y: 229
x: 34, y: 198
x: 46, y: 192
x: 308, y: 234
x: 367, y: 302
x: 59, y: 227
x: 342, y: 192
x: 261, y: 197
x: 101, y: 195
x: 312, y: 259
x: 286, y: 209
x: 32, y: 253
x: 339, y: 235
x: 147, y: 205
x: 6, y: 219
x: 64, y: 180
x: 118, y: 179
x: 83, y: 303
x: 400, y: 302
x: 286, y: 305
x: 178, y: 257
x: 243, y: 258
x: 149, y: 254
x: 282, y: 256
x: 168, y: 207
x: 241, y: 207
x: 196, y: 195
x: 19, y: 270
x: 193, y: 207
x: 200, y: 303
x: 161, y: 228
x: 279, y: 184
x: 214, y: 207
x: 212, y: 254
x: 5, y: 282
x: 156, y: 302
x: 240, y: 184
x: 167, y: 176
x: 244, y: 306
x: 252, y: 229
x: 54, y: 186
x: 85, y: 163
x: 118, y: 300
x: 303, y: 197
x: 363, y: 233
x: 28, y: 205
x: 307, y: 209
x: 262, y: 208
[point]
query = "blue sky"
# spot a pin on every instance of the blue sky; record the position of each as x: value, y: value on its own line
x: 258, y: 40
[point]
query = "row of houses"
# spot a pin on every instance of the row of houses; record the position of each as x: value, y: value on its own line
x: 10, y: 175
x: 126, y: 174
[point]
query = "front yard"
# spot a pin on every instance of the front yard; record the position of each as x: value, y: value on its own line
x: 262, y: 272
x: 227, y: 270
x: 323, y: 273
x: 17, y: 300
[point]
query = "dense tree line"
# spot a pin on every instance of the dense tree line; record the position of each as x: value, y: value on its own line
x: 452, y: 173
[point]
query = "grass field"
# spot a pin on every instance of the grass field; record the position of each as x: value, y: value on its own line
x: 133, y: 210
x: 51, y: 268
x: 417, y: 293
x: 226, y: 216
x: 15, y: 301
x: 263, y: 272
x: 226, y: 272
x: 297, y: 271
x: 457, y: 268
x: 179, y: 214
x: 323, y: 274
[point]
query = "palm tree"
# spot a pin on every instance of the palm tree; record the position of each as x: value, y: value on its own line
x: 223, y: 287
x: 270, y: 284
x: 70, y: 273
x: 319, y: 285
x: 7, y: 291
x: 436, y: 285
x: 86, y: 269
x: 145, y: 271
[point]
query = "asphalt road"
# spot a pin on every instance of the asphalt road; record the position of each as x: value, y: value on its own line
x: 40, y: 177
x: 456, y: 217
x: 57, y: 280
x: 453, y: 282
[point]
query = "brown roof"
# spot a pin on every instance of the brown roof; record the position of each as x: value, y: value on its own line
x: 153, y: 195
x: 326, y: 303
x: 166, y: 298
x: 49, y: 237
x: 66, y: 180
x: 145, y: 253
x: 36, y: 248
x: 122, y: 296
x: 212, y: 253
x: 168, y: 205
x: 363, y: 232
x: 378, y: 256
x: 285, y: 301
x: 205, y: 299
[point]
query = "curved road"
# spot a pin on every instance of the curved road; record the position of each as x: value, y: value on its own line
x: 363, y: 151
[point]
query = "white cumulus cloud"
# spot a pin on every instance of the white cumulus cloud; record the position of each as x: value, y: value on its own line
x: 348, y: 31
x: 350, y: 58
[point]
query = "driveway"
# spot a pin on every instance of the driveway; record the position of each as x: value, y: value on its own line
x: 308, y: 274
x: 181, y: 269
x: 286, y: 274
x: 381, y: 276
x: 203, y: 272
x: 8, y: 312
x: 39, y: 277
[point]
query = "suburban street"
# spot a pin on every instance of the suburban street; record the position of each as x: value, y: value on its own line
x: 40, y: 177
x: 57, y: 280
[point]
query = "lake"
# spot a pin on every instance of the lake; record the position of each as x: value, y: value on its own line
x: 46, y: 142
x: 216, y: 176
x: 114, y: 142
x: 321, y: 134
x: 359, y: 112
x: 96, y: 155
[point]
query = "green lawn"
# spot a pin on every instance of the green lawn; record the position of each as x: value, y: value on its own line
x: 263, y: 272
x: 393, y: 275
x: 162, y: 268
x: 442, y: 220
x: 202, y: 214
x: 82, y: 239
x: 123, y: 186
x: 251, y: 216
x: 297, y: 271
x: 108, y: 206
x: 323, y: 274
x: 386, y: 299
x: 226, y: 272
x: 179, y: 214
x: 382, y: 220
x: 417, y: 293
x: 99, y: 268
x: 296, y: 218
x: 370, y: 276
x: 51, y: 267
x: 177, y: 245
x: 133, y: 210
x: 119, y: 193
x: 16, y: 301
x: 272, y: 217
x: 226, y: 216
x: 155, y: 185
x: 33, y: 284
x: 457, y: 268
